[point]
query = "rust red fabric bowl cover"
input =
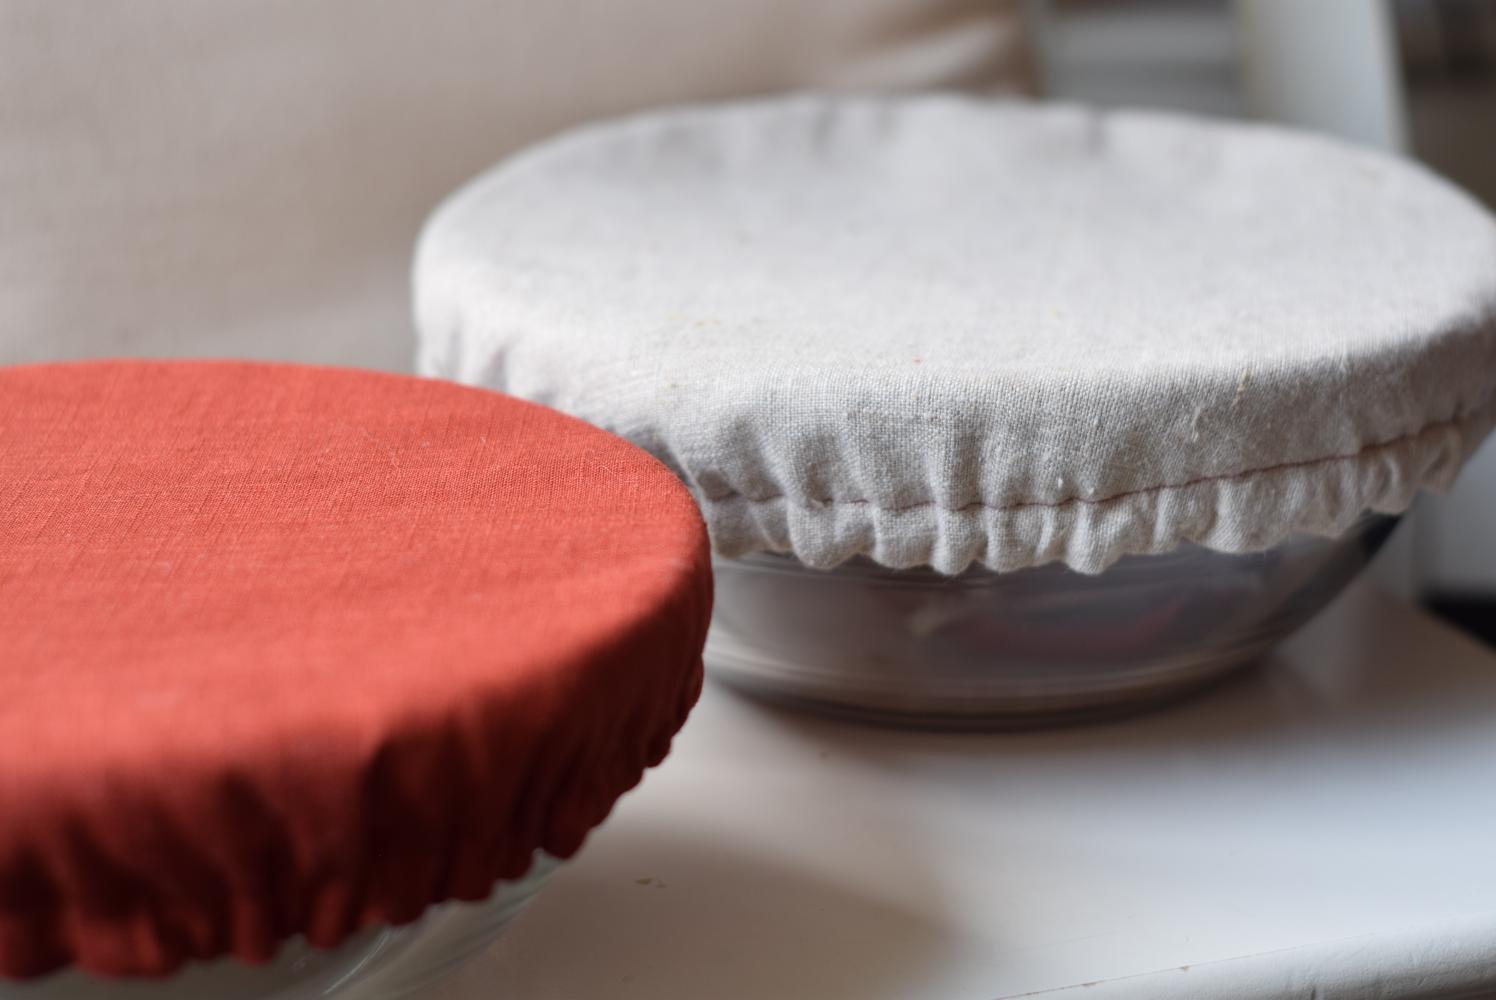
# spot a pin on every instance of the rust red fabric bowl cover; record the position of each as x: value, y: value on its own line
x: 295, y: 650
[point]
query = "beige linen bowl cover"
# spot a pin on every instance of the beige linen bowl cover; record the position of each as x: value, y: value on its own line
x: 939, y: 330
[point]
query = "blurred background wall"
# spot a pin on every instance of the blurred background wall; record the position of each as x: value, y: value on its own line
x: 247, y: 177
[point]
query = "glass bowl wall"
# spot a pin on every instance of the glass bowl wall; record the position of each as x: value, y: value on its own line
x: 1034, y: 646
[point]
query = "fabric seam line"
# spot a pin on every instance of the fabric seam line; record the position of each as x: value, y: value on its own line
x: 1452, y: 422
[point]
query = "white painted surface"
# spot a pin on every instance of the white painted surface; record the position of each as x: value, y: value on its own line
x: 1324, y: 824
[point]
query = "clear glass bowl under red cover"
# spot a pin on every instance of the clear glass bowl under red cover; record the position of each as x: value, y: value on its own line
x: 382, y: 963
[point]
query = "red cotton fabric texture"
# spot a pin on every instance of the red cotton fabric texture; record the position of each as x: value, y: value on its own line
x: 294, y: 650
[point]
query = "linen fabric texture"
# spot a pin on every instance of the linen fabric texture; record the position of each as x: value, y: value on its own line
x: 945, y: 331
x: 293, y: 651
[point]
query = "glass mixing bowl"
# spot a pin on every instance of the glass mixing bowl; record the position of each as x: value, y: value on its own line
x: 1038, y: 645
x: 382, y: 963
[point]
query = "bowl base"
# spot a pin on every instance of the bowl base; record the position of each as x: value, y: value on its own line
x: 980, y: 715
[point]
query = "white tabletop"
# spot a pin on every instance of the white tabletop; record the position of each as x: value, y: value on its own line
x: 1322, y: 827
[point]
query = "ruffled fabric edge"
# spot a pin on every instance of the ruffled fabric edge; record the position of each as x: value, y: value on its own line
x: 236, y: 868
x: 1244, y: 512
